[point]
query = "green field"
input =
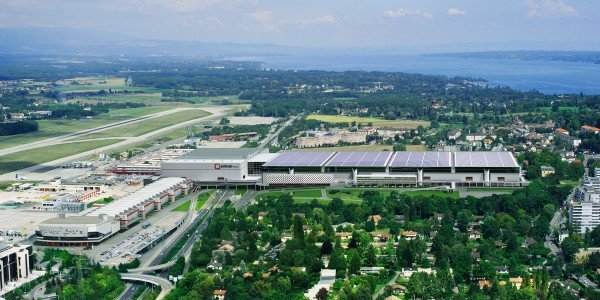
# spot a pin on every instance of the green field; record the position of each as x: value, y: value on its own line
x: 350, y: 195
x: 202, y: 198
x: 58, y: 127
x: 28, y: 158
x: 185, y: 206
x: 240, y: 191
x: 410, y: 124
x: 441, y: 194
x: 147, y: 126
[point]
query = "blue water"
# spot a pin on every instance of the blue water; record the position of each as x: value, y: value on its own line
x: 551, y: 77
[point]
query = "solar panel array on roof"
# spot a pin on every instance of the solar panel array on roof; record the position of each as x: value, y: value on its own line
x: 360, y: 159
x: 421, y: 159
x: 425, y: 159
x: 485, y: 159
x: 300, y: 159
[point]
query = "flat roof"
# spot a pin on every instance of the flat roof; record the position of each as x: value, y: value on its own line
x: 76, y: 220
x: 263, y: 157
x: 485, y: 159
x: 300, y: 159
x: 138, y: 197
x: 408, y: 159
x: 360, y: 159
x: 421, y: 159
x: 221, y: 153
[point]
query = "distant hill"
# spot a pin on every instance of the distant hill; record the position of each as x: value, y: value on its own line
x: 64, y: 41
x: 569, y: 56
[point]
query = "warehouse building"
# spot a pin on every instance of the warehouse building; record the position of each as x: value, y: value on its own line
x: 137, y: 205
x: 16, y: 264
x: 365, y: 168
x: 76, y: 231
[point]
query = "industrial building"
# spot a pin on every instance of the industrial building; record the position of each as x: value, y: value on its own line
x: 107, y: 220
x: 75, y: 231
x: 137, y: 205
x: 16, y: 263
x: 325, y: 168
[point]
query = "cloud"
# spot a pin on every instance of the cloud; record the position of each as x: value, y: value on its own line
x: 260, y: 16
x: 455, y: 12
x: 550, y: 8
x: 326, y: 19
x: 403, y: 12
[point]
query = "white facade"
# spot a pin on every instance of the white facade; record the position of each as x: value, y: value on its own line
x: 16, y: 264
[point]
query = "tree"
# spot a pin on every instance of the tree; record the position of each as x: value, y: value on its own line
x: 370, y: 226
x: 370, y: 257
x: 570, y: 247
x: 322, y: 294
x: 326, y: 247
x: 354, y: 262
x: 490, y: 228
x: 298, y: 229
x: 337, y: 260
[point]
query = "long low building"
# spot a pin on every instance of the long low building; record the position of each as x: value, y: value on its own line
x: 135, y: 206
x: 364, y: 168
x: 102, y: 223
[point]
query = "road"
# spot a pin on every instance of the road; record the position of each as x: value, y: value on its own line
x: 204, y: 214
x: 166, y: 285
x: 216, y: 112
x: 274, y: 135
x: 392, y: 281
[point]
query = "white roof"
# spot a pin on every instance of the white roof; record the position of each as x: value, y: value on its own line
x: 138, y: 197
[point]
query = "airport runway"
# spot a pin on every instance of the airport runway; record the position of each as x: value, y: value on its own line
x: 216, y: 112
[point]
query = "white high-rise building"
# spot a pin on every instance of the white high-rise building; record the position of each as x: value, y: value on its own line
x: 16, y: 263
x: 584, y: 209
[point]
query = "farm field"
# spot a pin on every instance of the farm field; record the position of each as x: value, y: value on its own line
x: 147, y: 126
x: 28, y: 158
x: 58, y: 127
x: 146, y: 98
x: 409, y: 124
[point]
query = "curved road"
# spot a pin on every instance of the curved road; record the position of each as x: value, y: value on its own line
x: 166, y: 285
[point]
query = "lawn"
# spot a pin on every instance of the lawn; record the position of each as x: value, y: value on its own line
x: 185, y: 206
x: 147, y: 126
x: 426, y: 193
x: 57, y: 127
x: 202, y: 198
x: 102, y: 201
x: 350, y: 195
x: 28, y: 158
x: 240, y: 191
x: 409, y: 124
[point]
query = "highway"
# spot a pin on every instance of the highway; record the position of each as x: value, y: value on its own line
x: 205, y: 214
x: 275, y: 134
x: 165, y: 284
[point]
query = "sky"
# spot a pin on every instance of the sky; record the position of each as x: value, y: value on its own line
x: 325, y: 23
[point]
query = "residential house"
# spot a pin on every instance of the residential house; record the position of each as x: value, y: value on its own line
x: 409, y: 235
x: 219, y: 294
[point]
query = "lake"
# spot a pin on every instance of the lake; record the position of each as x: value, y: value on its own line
x: 552, y: 77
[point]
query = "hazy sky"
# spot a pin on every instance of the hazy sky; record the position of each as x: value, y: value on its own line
x: 369, y: 23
